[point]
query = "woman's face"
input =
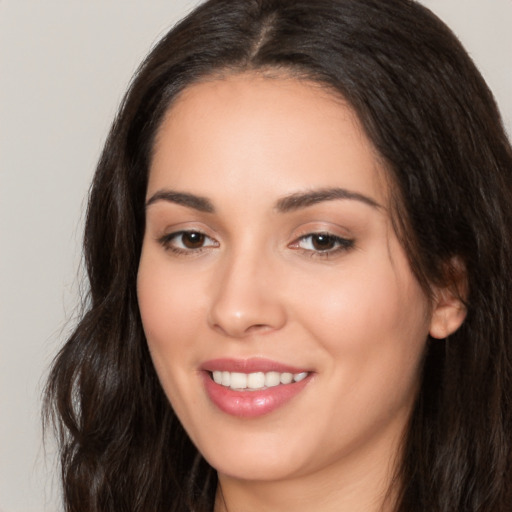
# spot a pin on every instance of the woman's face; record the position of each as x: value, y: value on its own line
x: 282, y: 316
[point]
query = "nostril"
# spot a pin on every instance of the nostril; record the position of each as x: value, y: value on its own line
x: 258, y: 327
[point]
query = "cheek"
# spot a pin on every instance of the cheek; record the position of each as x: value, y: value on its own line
x: 170, y: 310
x: 372, y: 319
x: 170, y: 314
x: 360, y: 300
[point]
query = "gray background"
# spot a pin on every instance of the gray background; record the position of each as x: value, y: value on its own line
x: 64, y: 66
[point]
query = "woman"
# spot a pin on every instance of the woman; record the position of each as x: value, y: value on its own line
x: 298, y: 243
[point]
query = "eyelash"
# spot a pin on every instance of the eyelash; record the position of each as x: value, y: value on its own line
x: 167, y: 242
x: 339, y: 244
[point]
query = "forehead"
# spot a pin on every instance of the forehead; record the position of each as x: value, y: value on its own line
x: 255, y: 132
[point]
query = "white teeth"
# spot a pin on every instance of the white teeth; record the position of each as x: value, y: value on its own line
x: 226, y: 378
x: 256, y: 380
x: 238, y: 380
x: 286, y: 378
x: 300, y: 376
x: 272, y: 379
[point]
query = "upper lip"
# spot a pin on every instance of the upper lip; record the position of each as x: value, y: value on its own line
x: 251, y: 365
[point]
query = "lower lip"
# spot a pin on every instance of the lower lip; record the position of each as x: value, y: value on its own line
x: 251, y: 404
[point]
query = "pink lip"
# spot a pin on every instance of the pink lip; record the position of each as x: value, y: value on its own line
x: 250, y: 404
x: 255, y: 364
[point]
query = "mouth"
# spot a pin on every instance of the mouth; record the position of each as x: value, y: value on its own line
x: 253, y: 387
x: 256, y: 381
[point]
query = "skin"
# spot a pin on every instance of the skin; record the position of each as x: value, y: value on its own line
x: 257, y: 285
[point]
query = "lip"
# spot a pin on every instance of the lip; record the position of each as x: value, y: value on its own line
x: 250, y: 404
x: 254, y: 364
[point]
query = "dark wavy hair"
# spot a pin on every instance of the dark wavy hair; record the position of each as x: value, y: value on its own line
x: 435, y: 124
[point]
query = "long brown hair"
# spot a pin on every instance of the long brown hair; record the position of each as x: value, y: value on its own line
x: 434, y: 122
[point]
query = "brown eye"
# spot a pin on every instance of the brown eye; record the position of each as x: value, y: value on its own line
x: 323, y: 242
x: 187, y: 242
x: 192, y: 239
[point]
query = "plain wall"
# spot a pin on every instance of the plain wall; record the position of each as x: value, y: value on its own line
x: 64, y: 66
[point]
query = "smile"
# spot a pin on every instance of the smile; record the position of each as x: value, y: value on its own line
x: 249, y: 388
x: 255, y: 381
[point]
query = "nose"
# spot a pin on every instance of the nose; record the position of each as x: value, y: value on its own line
x: 246, y: 298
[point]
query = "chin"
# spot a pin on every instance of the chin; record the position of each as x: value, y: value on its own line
x: 256, y: 468
x: 255, y: 456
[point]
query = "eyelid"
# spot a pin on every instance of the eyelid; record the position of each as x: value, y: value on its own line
x: 340, y: 243
x: 167, y: 239
x: 337, y: 239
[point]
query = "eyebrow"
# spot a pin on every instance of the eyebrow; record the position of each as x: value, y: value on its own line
x: 286, y: 204
x: 301, y: 200
x: 182, y: 198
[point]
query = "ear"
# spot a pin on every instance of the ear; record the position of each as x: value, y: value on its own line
x: 449, y: 309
